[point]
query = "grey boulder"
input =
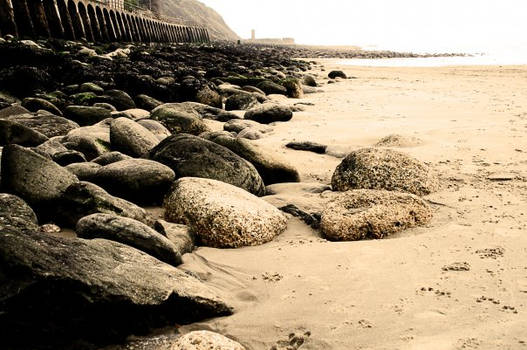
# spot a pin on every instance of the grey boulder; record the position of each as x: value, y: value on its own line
x: 130, y: 232
x: 131, y: 138
x: 193, y: 156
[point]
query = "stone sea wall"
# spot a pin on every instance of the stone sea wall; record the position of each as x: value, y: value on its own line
x: 93, y: 20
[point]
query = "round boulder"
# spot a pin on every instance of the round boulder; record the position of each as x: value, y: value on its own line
x: 85, y: 115
x: 16, y: 213
x: 137, y: 180
x: 222, y: 215
x: 193, y: 156
x: 32, y: 176
x: 372, y: 214
x: 131, y: 138
x: 269, y: 113
x: 130, y: 232
x: 337, y: 74
x: 240, y: 101
x: 374, y: 168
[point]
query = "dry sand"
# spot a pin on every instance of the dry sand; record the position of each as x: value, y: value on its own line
x: 460, y: 283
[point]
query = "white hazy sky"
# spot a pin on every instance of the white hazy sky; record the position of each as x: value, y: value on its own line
x: 417, y: 25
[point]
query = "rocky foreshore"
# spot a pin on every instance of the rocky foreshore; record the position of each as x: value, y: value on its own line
x: 92, y: 135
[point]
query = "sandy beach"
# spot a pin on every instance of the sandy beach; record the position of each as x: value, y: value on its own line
x: 459, y: 283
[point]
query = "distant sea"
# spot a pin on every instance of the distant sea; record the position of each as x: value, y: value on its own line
x: 496, y: 57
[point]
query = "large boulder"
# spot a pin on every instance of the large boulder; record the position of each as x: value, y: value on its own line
x: 14, y: 133
x: 375, y: 168
x: 35, y: 178
x: 237, y: 125
x: 222, y: 215
x: 200, y: 110
x: 84, y: 198
x: 61, y: 291
x: 92, y: 141
x: 372, y: 214
x: 85, y: 115
x: 120, y: 99
x: 131, y: 138
x: 271, y: 169
x: 138, y: 180
x: 193, y: 156
x: 205, y: 340
x: 130, y: 232
x: 337, y: 74
x: 16, y: 214
x: 47, y: 124
x: 147, y: 102
x: 177, y: 121
x: 269, y: 113
x: 110, y: 157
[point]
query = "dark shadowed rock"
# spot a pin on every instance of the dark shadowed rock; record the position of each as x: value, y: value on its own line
x: 130, y: 232
x: 209, y: 97
x: 222, y: 215
x: 131, y: 138
x: 309, y: 80
x: 110, y: 157
x: 147, y: 102
x: 120, y: 99
x: 16, y: 214
x: 84, y: 198
x: 68, y: 157
x: 178, y: 234
x: 240, y: 101
x: 202, y: 110
x: 308, y: 146
x: 47, y: 124
x: 14, y: 133
x: 91, y: 87
x: 156, y: 128
x: 193, y: 156
x: 84, y: 171
x: 337, y: 74
x: 269, y: 167
x: 269, y: 113
x: 137, y: 180
x: 85, y: 115
x: 372, y: 214
x: 51, y: 146
x: 374, y: 168
x: 12, y: 110
x: 35, y: 178
x: 269, y: 87
x: 61, y: 290
x: 105, y: 105
x: 34, y: 104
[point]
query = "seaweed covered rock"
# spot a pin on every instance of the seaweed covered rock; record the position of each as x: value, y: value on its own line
x: 179, y: 121
x: 221, y: 215
x: 374, y: 168
x: 372, y: 214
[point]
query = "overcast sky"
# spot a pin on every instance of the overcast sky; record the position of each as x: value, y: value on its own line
x: 418, y: 25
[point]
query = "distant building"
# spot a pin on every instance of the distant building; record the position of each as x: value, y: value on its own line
x: 253, y: 34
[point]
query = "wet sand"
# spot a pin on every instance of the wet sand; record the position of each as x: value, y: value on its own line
x: 459, y: 283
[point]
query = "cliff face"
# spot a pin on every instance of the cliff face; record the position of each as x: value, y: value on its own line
x: 197, y: 13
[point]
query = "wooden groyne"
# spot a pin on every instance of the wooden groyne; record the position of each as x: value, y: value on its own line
x: 92, y: 20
